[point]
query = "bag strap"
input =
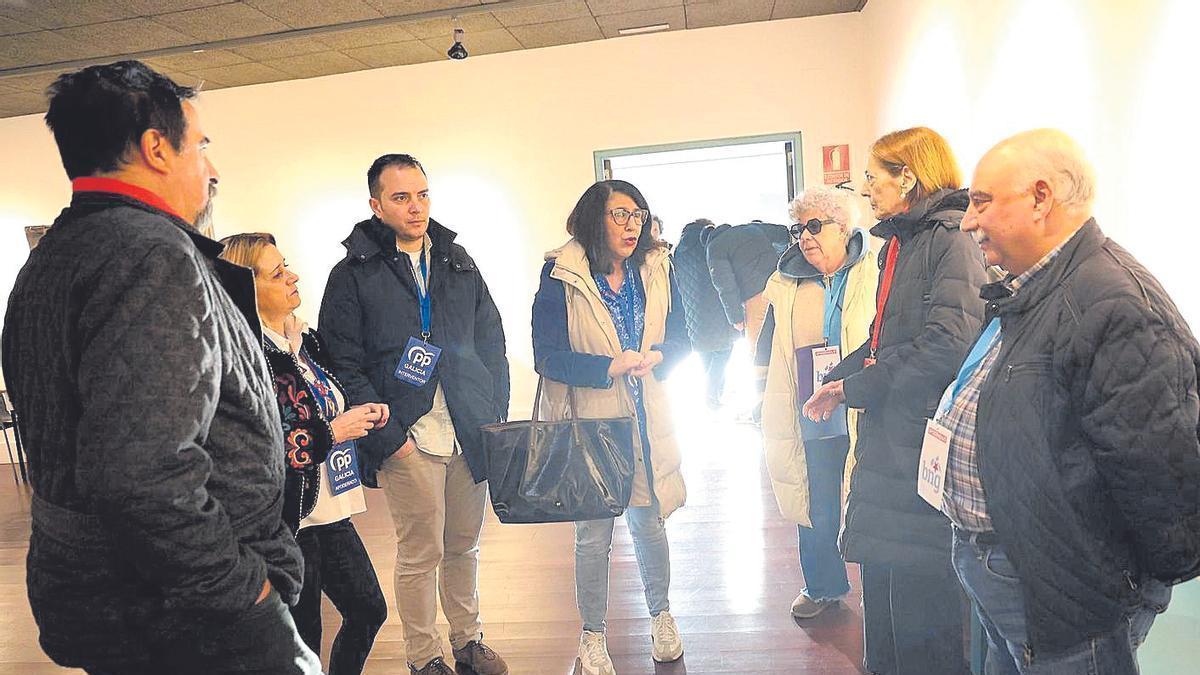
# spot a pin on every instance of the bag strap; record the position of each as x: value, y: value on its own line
x: 537, y: 401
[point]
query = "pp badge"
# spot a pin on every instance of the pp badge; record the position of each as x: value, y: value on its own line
x: 342, y: 466
x: 418, y: 362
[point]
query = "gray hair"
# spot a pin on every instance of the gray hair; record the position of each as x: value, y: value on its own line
x: 837, y: 205
x: 1055, y: 157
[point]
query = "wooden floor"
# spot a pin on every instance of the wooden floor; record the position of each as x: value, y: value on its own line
x: 734, y: 567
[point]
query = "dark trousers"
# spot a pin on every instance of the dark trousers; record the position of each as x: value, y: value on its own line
x: 714, y: 371
x: 336, y: 563
x: 260, y: 641
x: 912, y: 621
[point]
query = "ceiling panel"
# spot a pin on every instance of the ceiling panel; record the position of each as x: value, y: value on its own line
x: 222, y: 22
x: 365, y: 37
x: 9, y: 26
x: 557, y: 33
x: 40, y: 33
x: 242, y: 74
x: 432, y: 28
x: 279, y: 49
x: 310, y: 13
x: 612, y: 23
x: 600, y: 7
x: 62, y: 13
x: 477, y: 44
x: 126, y: 36
x: 316, y: 65
x: 725, y: 12
x: 405, y: 7
x: 789, y: 9
x: 21, y: 103
x: 396, y: 54
x: 26, y: 49
x: 212, y: 58
x: 573, y: 9
x: 152, y: 7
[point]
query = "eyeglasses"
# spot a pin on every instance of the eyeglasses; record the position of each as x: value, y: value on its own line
x: 622, y: 216
x: 814, y: 226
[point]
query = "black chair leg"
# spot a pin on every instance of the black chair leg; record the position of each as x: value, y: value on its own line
x: 20, y: 447
x: 11, y: 462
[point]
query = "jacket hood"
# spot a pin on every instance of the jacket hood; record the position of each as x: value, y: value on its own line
x: 945, y: 207
x: 711, y: 233
x: 793, y: 264
x: 571, y: 256
x: 371, y: 237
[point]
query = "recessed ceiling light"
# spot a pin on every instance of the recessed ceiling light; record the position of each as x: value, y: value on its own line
x: 197, y: 51
x: 644, y: 29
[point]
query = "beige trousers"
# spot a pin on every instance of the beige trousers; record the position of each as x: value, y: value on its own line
x: 437, y: 509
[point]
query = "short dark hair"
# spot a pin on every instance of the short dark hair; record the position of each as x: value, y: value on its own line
x: 97, y: 114
x: 396, y: 159
x: 587, y: 224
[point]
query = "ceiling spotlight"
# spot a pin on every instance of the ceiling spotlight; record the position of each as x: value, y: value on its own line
x: 457, y: 51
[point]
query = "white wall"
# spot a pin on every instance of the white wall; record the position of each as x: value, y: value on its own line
x: 1113, y: 74
x: 507, y: 140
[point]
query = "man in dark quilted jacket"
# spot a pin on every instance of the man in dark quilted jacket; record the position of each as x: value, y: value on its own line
x: 1073, y: 475
x: 154, y: 440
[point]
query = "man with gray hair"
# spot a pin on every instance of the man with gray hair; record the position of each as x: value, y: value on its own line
x: 1072, y: 469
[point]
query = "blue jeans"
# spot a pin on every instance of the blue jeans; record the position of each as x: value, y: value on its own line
x: 991, y: 582
x: 822, y: 564
x: 593, y: 544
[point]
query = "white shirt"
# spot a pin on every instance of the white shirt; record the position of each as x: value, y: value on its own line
x: 434, y: 433
x: 329, y: 508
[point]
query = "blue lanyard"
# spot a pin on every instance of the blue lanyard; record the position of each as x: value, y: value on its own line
x: 982, y: 346
x: 833, y: 300
x: 423, y: 296
x: 324, y: 395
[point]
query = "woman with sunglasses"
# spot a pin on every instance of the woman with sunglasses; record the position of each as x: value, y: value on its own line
x: 321, y: 487
x: 821, y: 299
x: 928, y: 314
x: 608, y: 321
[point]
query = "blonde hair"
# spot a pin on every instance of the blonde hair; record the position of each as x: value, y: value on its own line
x: 245, y: 249
x: 925, y: 153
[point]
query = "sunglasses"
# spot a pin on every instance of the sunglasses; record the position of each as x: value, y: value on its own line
x: 813, y: 226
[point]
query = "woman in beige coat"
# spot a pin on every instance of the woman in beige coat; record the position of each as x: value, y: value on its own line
x: 821, y: 298
x: 608, y: 321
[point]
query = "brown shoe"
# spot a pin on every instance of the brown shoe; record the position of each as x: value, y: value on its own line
x: 480, y: 658
x: 435, y: 667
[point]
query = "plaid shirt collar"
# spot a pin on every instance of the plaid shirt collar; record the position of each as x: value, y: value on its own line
x: 1014, y: 284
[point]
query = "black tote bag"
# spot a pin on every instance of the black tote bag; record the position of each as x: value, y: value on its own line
x: 554, y: 472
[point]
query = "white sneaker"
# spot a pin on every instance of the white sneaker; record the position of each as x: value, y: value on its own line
x: 668, y: 645
x: 593, y: 655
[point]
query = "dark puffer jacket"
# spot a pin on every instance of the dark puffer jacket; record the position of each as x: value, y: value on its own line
x: 371, y: 309
x: 707, y: 327
x: 930, y: 321
x: 741, y: 259
x: 307, y: 436
x: 152, y: 431
x: 1087, y: 439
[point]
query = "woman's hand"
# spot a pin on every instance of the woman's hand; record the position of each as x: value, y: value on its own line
x: 624, y: 362
x: 820, y: 406
x: 384, y: 414
x: 355, y: 422
x: 649, y: 360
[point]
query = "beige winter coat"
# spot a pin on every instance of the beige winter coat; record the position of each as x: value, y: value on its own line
x: 801, y: 302
x: 591, y: 331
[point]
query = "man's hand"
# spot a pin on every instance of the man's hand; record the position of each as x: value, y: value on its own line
x: 383, y: 411
x: 265, y: 592
x: 649, y: 360
x: 409, y: 447
x: 820, y: 406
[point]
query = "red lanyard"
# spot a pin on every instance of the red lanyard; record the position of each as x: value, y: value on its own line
x: 885, y: 289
